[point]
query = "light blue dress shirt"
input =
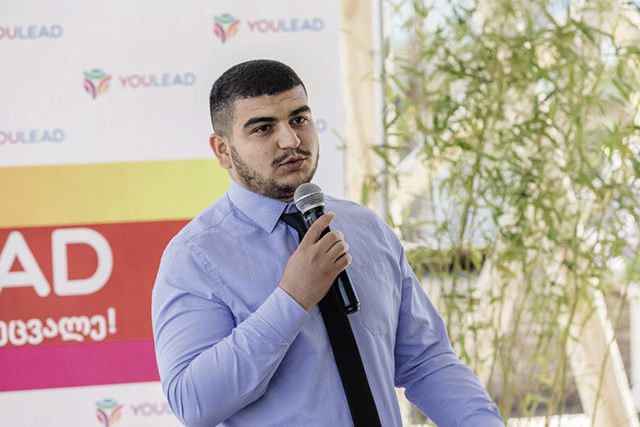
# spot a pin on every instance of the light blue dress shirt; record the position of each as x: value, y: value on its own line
x: 234, y: 349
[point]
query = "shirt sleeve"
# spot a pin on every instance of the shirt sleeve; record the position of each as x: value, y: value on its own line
x: 444, y: 389
x: 210, y: 367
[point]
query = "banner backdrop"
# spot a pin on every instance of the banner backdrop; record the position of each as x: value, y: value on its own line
x: 104, y: 157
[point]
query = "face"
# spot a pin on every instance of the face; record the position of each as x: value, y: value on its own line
x: 274, y: 144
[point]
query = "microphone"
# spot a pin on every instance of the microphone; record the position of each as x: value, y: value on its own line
x: 309, y: 200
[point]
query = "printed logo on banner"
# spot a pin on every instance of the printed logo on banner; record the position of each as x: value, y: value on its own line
x: 108, y: 412
x: 30, y: 32
x: 225, y: 26
x: 19, y: 269
x: 295, y: 25
x: 96, y: 82
x: 149, y: 409
x: 33, y: 136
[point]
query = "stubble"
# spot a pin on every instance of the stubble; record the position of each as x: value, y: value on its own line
x: 268, y: 187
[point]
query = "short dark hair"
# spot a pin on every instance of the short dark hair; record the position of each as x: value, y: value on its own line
x: 250, y: 79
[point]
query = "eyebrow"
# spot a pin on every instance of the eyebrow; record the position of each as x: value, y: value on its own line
x: 303, y: 109
x: 254, y: 120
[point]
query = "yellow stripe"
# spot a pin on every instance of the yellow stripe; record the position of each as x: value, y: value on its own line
x: 108, y: 193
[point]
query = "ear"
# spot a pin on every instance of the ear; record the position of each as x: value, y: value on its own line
x: 220, y: 146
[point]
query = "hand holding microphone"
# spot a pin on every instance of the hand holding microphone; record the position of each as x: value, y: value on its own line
x: 309, y: 200
x: 321, y: 259
x: 313, y: 267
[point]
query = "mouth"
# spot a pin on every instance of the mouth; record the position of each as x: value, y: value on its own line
x: 293, y: 163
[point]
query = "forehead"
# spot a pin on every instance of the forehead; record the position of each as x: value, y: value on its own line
x: 274, y: 106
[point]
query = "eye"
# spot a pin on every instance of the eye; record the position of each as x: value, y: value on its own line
x: 300, y: 120
x: 262, y: 129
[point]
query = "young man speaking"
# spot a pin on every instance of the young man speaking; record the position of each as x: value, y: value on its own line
x: 245, y: 328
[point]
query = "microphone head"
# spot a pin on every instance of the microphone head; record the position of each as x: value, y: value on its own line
x: 308, y: 196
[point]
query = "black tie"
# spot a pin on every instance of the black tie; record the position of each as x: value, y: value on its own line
x: 344, y: 346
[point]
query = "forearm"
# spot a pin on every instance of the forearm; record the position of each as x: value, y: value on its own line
x: 426, y: 365
x: 453, y: 396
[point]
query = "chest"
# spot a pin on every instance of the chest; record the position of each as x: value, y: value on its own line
x: 251, y: 264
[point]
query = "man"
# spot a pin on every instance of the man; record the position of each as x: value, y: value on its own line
x: 240, y: 340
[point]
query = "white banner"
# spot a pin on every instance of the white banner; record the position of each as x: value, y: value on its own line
x: 122, y: 81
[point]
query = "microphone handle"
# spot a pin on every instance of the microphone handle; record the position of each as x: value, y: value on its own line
x: 346, y: 293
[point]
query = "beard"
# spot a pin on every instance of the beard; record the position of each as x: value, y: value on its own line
x: 268, y: 187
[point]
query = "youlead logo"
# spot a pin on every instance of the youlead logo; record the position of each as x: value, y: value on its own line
x: 33, y: 136
x: 108, y: 412
x: 286, y: 25
x: 96, y: 82
x: 30, y: 32
x: 134, y: 81
x: 225, y: 26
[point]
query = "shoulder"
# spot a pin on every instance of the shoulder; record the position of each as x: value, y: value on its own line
x: 212, y: 220
x: 187, y: 259
x: 347, y: 207
x: 355, y: 212
x: 362, y: 226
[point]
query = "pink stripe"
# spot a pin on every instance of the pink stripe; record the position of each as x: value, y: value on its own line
x: 27, y: 368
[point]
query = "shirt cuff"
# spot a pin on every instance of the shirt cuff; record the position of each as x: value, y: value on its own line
x: 283, y: 314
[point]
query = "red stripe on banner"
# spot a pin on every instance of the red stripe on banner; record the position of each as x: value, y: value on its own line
x: 54, y: 366
x: 40, y: 310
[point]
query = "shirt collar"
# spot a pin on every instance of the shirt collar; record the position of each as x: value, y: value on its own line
x: 262, y: 210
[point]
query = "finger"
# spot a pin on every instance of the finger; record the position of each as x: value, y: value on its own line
x: 316, y: 229
x: 328, y: 240
x: 337, y: 250
x: 338, y: 234
x: 343, y: 262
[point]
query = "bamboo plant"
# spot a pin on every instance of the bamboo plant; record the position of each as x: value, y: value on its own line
x: 512, y: 155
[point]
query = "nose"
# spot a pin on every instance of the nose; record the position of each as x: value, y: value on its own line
x: 288, y: 138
